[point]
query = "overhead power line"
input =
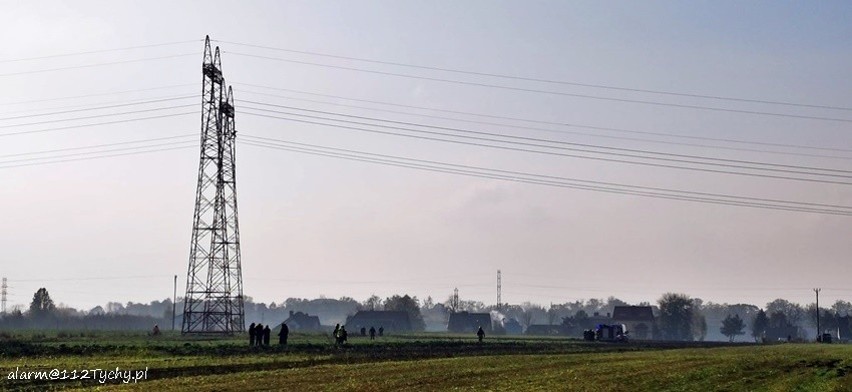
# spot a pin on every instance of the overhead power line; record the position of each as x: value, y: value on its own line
x: 96, y: 94
x: 510, y: 148
x: 560, y: 93
x: 548, y: 177
x: 51, y: 109
x: 540, y: 180
x: 584, y: 145
x: 96, y: 157
x: 541, y: 80
x: 98, y: 146
x: 86, y: 153
x: 97, y: 116
x: 99, y: 64
x: 99, y: 107
x: 96, y: 124
x: 91, y: 278
x: 98, y: 51
x: 572, y: 125
x: 549, y: 130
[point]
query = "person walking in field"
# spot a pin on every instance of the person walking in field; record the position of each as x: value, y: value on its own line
x: 282, y: 335
x: 340, y: 336
x: 343, y: 335
x: 266, y: 333
x: 480, y: 334
x: 372, y: 333
x: 251, y: 332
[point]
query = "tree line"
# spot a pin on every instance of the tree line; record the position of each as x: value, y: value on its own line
x: 678, y: 316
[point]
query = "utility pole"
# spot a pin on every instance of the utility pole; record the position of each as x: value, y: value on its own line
x: 174, y: 305
x: 819, y: 331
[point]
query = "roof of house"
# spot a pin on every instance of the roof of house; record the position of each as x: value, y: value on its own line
x: 462, y: 321
x: 633, y: 313
x: 302, y: 320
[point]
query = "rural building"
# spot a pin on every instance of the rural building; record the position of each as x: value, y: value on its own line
x: 299, y: 321
x: 639, y: 320
x: 596, y: 318
x: 512, y: 326
x: 391, y: 321
x: 464, y: 322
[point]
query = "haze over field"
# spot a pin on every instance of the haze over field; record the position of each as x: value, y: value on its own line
x: 96, y: 230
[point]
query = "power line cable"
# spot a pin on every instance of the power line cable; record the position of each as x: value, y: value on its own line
x: 97, y: 152
x: 548, y: 177
x: 560, y: 93
x: 509, y: 148
x: 96, y: 124
x: 568, y: 143
x: 97, y: 116
x: 100, y: 107
x: 98, y: 64
x: 91, y: 278
x: 95, y: 157
x: 551, y: 183
x: 555, y: 183
x: 503, y: 76
x: 97, y: 94
x: 48, y: 109
x: 99, y: 51
x: 98, y: 145
x: 705, y: 146
x: 620, y: 130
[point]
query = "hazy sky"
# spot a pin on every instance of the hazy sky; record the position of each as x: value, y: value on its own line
x: 315, y: 225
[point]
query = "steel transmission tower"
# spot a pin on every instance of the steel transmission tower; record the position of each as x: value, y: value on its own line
x: 214, y: 288
x: 499, y: 289
x: 3, y: 288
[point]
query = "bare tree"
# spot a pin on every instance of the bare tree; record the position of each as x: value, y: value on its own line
x: 373, y: 303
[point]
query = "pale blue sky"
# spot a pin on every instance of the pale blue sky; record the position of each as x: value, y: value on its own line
x: 317, y: 226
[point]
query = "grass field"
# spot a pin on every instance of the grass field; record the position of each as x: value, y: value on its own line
x: 424, y: 362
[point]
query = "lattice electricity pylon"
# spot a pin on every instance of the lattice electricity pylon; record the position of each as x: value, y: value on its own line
x: 3, y: 288
x: 214, y: 295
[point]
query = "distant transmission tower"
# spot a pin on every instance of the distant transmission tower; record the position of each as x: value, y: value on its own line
x: 455, y: 302
x: 214, y: 288
x: 499, y: 289
x: 3, y: 289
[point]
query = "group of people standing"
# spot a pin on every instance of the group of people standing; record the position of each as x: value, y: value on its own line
x: 340, y: 335
x: 372, y: 332
x: 259, y: 335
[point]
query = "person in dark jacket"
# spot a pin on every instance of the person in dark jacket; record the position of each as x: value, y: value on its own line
x: 266, y: 333
x: 342, y: 335
x: 258, y: 334
x: 251, y: 332
x: 372, y: 333
x: 282, y: 335
x: 480, y: 334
